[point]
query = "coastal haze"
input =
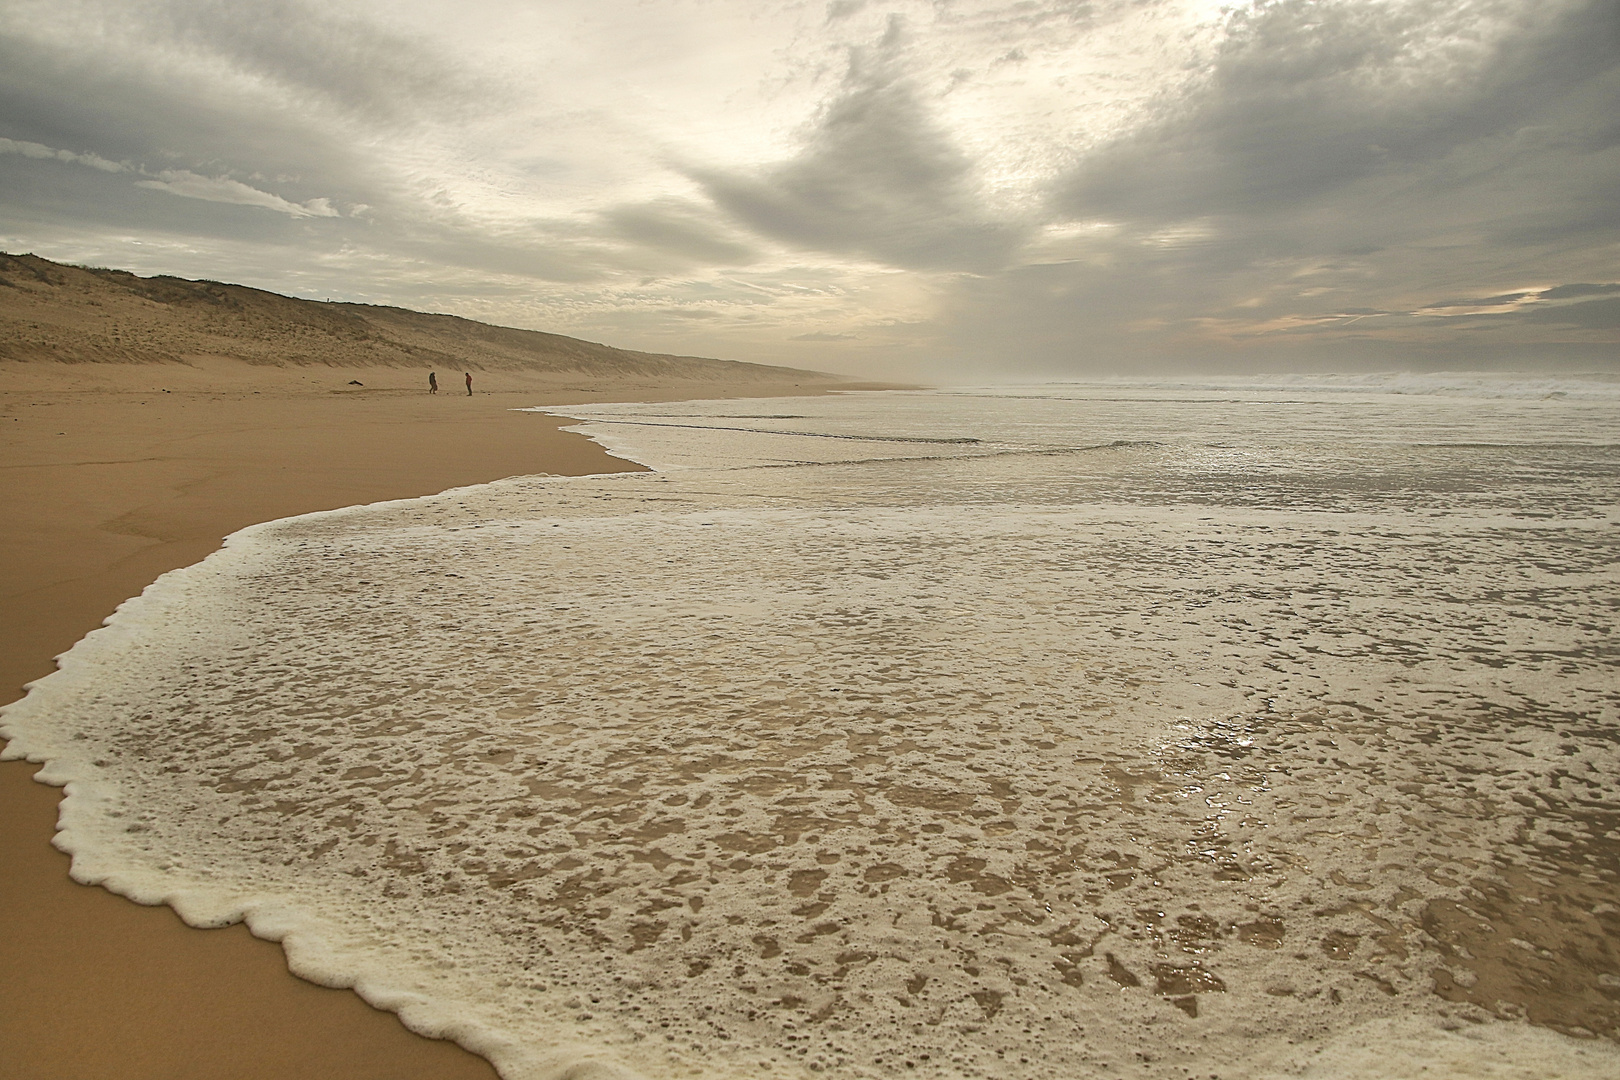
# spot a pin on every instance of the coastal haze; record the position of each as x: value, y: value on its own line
x: 899, y: 190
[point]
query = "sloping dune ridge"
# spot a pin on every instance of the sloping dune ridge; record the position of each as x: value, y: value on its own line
x: 52, y: 311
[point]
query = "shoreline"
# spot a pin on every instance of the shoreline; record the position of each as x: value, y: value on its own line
x: 116, y: 475
x: 1476, y: 980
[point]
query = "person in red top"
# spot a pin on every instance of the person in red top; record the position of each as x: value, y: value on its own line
x: 469, y: 384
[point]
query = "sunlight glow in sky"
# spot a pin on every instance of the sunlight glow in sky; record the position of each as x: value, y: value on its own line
x: 901, y: 189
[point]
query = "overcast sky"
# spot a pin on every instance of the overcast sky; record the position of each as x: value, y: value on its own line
x: 901, y: 189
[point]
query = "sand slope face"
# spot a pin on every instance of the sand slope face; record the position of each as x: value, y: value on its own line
x: 49, y: 311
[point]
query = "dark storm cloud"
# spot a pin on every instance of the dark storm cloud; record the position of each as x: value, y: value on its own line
x: 878, y: 178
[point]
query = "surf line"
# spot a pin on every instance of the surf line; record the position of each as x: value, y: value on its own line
x: 768, y: 431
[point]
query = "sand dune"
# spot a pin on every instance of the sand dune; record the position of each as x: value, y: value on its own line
x: 50, y: 311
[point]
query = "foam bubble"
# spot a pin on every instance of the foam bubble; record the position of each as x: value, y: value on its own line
x: 1005, y: 759
x: 1418, y: 1049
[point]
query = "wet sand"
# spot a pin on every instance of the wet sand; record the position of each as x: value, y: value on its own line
x: 110, y: 481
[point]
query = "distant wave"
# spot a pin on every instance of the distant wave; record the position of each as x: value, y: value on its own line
x: 1595, y: 386
x: 806, y: 434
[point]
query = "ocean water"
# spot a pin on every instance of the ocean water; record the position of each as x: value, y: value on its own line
x: 1128, y: 729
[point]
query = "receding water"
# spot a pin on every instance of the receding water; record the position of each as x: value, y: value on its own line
x: 1113, y: 730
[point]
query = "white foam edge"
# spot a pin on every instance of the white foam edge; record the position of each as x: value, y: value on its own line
x: 1472, y: 384
x: 579, y: 428
x: 1419, y: 1048
x: 602, y: 434
x: 133, y: 613
x: 313, y: 953
x: 309, y: 942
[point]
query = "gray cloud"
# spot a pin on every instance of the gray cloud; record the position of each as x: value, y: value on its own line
x: 312, y: 53
x: 1565, y: 292
x: 106, y: 142
x: 54, y: 192
x: 1342, y: 182
x: 1591, y: 315
x: 878, y: 178
x: 352, y: 63
x: 40, y: 152
x: 1305, y: 99
x: 129, y: 115
x: 1337, y: 159
x: 687, y: 231
x: 1484, y: 301
x: 220, y: 189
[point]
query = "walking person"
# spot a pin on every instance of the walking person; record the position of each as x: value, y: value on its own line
x: 433, y: 382
x: 469, y: 384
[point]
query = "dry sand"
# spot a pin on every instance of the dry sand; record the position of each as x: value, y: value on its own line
x: 108, y: 482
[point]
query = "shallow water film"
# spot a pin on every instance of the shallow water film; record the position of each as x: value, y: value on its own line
x: 1125, y: 730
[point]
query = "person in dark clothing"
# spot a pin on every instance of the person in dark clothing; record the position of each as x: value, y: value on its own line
x: 433, y: 382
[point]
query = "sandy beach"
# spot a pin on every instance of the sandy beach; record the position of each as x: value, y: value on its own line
x: 462, y: 615
x: 1394, y: 933
x: 116, y: 473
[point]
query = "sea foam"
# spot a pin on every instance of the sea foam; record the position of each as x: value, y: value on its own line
x: 1071, y: 731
